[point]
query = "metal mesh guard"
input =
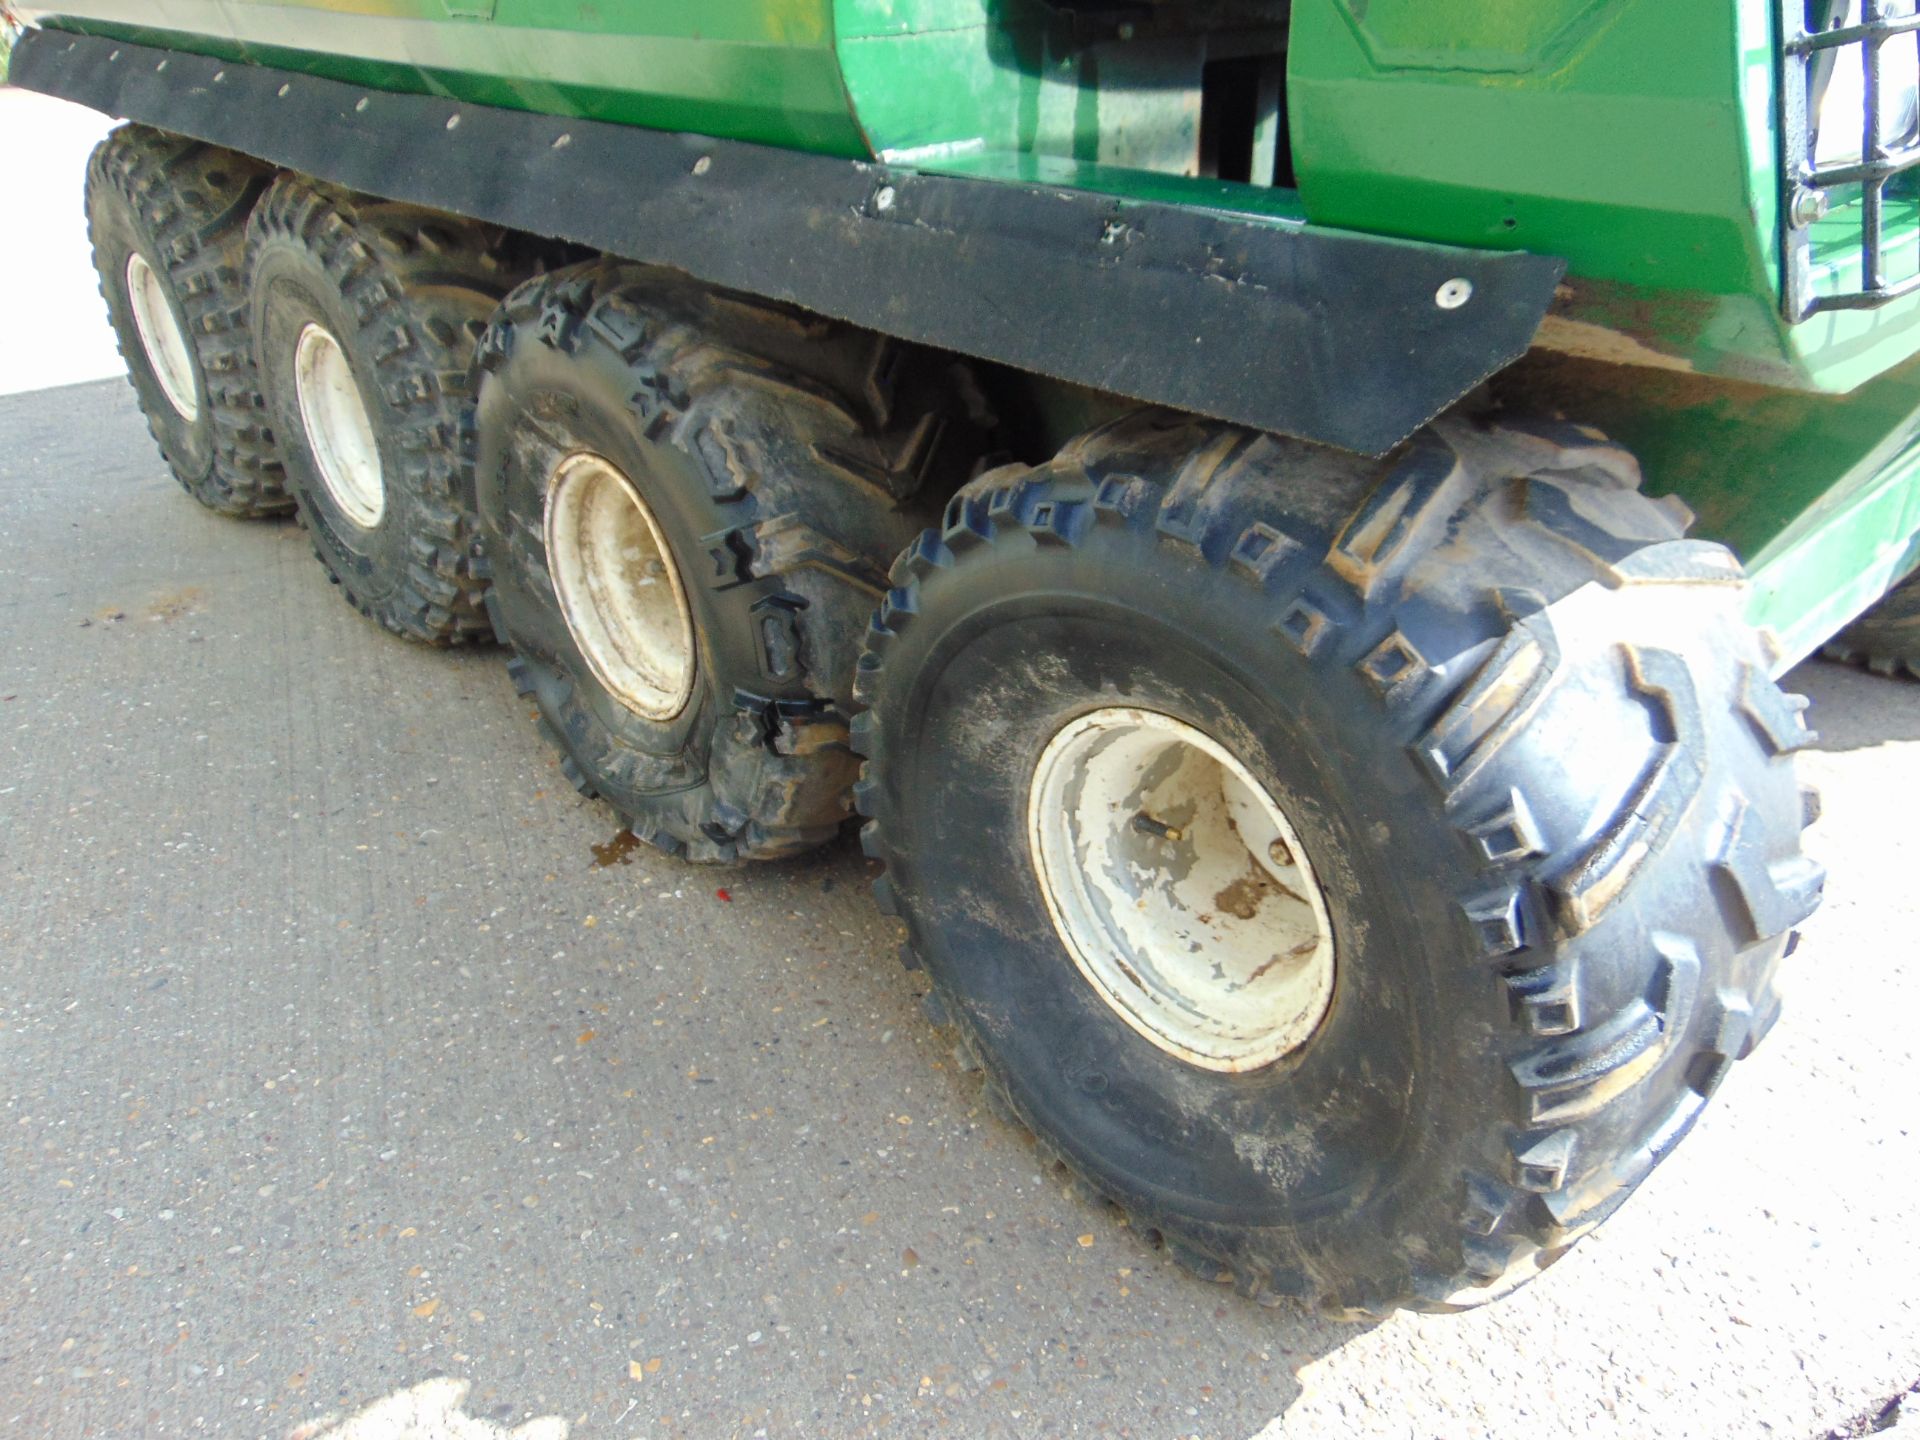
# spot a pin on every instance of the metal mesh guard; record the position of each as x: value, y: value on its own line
x: 1807, y: 59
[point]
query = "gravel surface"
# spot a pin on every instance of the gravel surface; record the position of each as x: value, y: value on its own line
x: 341, y: 1051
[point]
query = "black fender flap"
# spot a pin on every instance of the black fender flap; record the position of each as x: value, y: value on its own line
x: 1327, y: 335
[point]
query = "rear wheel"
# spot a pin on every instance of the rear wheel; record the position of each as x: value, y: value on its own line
x: 168, y: 217
x: 1363, y: 884
x: 1887, y: 638
x: 689, y: 502
x: 365, y: 316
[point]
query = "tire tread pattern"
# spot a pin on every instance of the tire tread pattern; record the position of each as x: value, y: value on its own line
x: 195, y: 200
x: 425, y: 284
x: 1886, y: 640
x: 813, y: 544
x: 1600, y: 1092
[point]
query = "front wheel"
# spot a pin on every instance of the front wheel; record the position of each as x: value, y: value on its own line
x: 1362, y: 884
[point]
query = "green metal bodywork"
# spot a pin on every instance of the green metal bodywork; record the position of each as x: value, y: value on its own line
x: 1819, y: 494
x: 745, y: 69
x: 1635, y: 138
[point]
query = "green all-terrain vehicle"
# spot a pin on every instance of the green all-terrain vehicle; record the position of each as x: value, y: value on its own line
x: 1284, y: 517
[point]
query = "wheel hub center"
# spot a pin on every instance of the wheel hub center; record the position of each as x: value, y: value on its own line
x: 618, y: 587
x: 161, y: 336
x: 1180, y: 889
x: 338, y: 429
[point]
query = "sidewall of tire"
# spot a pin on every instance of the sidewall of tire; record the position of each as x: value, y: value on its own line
x: 1887, y: 638
x: 291, y: 289
x: 1530, y: 746
x: 536, y: 410
x: 1325, y: 1131
x: 118, y: 235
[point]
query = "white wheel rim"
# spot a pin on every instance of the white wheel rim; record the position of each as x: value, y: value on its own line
x: 1180, y: 889
x: 339, y: 429
x: 618, y: 587
x: 161, y: 336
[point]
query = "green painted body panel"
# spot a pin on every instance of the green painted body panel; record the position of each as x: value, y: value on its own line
x: 944, y: 78
x: 762, y: 70
x: 1275, y: 206
x: 1635, y: 138
x: 1859, y: 540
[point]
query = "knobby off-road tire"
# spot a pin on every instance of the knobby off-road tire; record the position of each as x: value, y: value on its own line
x: 168, y: 219
x: 366, y: 315
x: 1887, y: 638
x: 1532, y: 753
x: 778, y: 456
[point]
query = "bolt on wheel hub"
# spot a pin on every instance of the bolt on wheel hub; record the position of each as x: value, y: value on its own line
x: 165, y: 343
x: 618, y: 587
x: 1180, y: 889
x: 339, y: 430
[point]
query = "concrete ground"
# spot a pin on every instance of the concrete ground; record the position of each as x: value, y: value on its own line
x: 337, y: 1059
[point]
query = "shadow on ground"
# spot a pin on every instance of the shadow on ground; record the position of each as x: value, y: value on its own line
x: 1854, y: 709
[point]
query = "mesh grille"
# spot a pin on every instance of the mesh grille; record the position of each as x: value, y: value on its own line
x: 1849, y: 130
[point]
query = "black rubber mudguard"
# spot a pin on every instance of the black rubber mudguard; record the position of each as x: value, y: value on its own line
x: 1323, y: 334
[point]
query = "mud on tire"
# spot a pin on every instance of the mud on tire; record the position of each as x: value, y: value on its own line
x: 404, y: 294
x: 175, y: 211
x: 781, y: 456
x: 1529, y: 745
